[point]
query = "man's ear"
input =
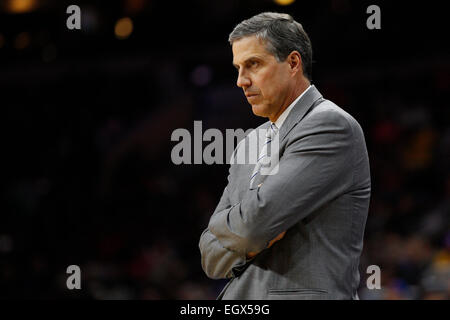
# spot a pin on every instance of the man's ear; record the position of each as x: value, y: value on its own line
x: 295, y: 62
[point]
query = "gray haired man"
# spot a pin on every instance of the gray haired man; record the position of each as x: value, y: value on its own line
x: 296, y: 234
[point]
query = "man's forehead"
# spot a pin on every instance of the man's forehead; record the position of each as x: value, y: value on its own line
x: 247, y: 48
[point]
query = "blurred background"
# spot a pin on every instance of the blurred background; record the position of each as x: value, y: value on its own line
x: 87, y: 116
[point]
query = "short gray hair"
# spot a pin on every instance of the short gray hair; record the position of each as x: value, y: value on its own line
x: 282, y: 35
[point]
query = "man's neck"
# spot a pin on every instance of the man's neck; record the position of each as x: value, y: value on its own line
x: 298, y: 90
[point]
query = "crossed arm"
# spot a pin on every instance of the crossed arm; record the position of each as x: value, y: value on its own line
x: 315, y: 168
x: 217, y: 261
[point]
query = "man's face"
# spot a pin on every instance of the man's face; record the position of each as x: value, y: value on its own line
x: 265, y: 81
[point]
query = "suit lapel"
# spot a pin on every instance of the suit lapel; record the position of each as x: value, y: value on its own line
x: 299, y: 110
x: 295, y: 116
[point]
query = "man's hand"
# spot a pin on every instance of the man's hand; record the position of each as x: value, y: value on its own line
x: 277, y: 238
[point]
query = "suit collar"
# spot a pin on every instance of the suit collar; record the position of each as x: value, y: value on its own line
x: 299, y: 110
x: 296, y: 115
x: 285, y: 113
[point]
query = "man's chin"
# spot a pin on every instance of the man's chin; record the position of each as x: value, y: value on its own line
x: 258, y: 110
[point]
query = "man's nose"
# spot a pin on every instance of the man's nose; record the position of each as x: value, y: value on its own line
x: 243, y: 81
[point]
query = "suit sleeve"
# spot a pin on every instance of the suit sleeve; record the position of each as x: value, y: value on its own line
x: 218, y: 262
x: 315, y: 168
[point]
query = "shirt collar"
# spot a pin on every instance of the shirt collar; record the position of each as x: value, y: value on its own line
x: 285, y: 113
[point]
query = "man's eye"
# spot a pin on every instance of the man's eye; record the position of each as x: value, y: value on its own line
x: 254, y: 63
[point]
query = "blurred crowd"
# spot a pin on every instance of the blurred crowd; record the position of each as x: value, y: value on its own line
x: 103, y: 193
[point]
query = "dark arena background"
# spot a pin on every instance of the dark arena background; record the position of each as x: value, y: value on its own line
x: 87, y: 116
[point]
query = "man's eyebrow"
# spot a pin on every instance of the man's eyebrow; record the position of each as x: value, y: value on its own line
x: 247, y: 60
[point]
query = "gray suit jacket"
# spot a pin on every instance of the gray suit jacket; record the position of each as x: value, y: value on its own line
x: 320, y: 195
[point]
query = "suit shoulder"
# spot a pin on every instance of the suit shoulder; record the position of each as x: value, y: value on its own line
x: 328, y: 112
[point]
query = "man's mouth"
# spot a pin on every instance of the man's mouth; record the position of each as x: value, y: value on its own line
x: 251, y: 96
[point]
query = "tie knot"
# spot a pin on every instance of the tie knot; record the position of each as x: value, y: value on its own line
x: 272, y: 130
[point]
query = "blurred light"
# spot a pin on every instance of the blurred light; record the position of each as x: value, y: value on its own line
x: 284, y: 2
x: 123, y: 28
x: 22, y: 41
x: 2, y: 40
x: 20, y: 6
x: 201, y: 75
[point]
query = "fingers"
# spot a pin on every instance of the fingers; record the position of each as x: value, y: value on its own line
x: 277, y: 238
x: 251, y: 255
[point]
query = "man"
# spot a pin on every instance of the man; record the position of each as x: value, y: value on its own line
x: 298, y: 233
